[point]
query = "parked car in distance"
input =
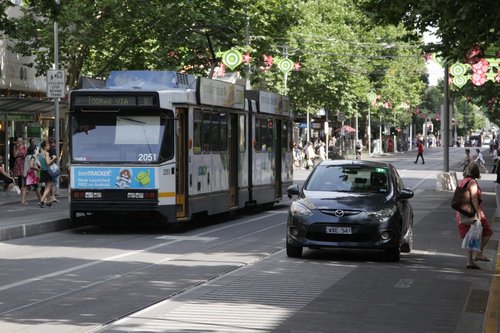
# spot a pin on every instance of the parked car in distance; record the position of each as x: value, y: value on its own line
x: 351, y: 204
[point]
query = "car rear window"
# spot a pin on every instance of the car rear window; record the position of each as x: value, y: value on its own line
x: 349, y: 179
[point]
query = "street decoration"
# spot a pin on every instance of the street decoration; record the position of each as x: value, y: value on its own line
x: 285, y: 65
x: 233, y: 58
x: 486, y: 69
x: 247, y: 58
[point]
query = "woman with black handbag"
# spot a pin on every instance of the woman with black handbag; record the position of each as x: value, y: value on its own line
x: 472, y: 173
x: 45, y: 160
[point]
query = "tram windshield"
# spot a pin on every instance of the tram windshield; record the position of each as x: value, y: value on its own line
x: 112, y: 137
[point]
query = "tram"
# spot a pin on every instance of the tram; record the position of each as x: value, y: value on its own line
x: 170, y: 147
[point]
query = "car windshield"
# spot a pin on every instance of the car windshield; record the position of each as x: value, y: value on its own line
x: 349, y: 178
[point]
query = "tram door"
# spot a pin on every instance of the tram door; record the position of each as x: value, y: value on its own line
x: 278, y: 159
x: 181, y: 179
x: 233, y: 159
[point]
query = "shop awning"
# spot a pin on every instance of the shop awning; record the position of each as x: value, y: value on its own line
x: 25, y: 105
x: 347, y: 129
x: 15, y: 108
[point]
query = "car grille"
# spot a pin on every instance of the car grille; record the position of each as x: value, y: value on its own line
x: 322, y: 237
x: 334, y: 212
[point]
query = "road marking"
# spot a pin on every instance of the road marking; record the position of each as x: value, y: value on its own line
x: 188, y: 238
x: 404, y: 283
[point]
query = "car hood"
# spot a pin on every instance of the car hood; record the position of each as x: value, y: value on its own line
x: 344, y: 200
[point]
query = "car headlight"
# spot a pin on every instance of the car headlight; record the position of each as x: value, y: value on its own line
x: 299, y: 209
x: 382, y: 213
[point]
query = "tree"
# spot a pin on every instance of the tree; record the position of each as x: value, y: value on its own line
x: 460, y: 25
x: 468, y: 30
x: 95, y: 38
x: 343, y: 56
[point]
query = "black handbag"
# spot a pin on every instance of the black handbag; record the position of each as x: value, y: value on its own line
x: 462, y: 202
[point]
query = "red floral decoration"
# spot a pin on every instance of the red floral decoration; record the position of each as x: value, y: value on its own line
x: 268, y: 59
x: 297, y: 66
x: 478, y: 79
x: 474, y: 55
x: 247, y: 58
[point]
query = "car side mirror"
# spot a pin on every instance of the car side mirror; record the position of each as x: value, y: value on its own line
x: 292, y: 190
x: 406, y: 193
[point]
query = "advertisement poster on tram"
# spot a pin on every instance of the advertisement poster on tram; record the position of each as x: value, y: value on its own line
x: 113, y: 177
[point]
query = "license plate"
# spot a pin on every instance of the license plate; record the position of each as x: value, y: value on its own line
x: 339, y: 230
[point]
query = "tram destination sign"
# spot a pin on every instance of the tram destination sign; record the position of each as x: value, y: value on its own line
x: 114, y: 100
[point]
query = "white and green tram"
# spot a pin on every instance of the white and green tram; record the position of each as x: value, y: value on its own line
x: 170, y: 147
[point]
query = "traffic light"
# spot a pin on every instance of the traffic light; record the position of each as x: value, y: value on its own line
x: 430, y: 128
x: 393, y: 131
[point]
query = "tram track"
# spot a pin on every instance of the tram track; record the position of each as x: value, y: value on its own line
x: 205, y: 244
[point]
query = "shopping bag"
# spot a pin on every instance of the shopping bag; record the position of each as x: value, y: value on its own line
x: 31, y: 178
x: 16, y: 189
x: 472, y: 239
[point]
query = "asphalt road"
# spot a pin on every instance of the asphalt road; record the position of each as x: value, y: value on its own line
x: 232, y: 275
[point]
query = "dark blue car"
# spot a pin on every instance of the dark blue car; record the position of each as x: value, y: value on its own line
x: 351, y: 204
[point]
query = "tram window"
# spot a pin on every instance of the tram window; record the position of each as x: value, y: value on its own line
x: 205, y: 136
x: 242, y: 134
x: 270, y: 135
x: 198, y: 118
x: 223, y: 132
x: 264, y: 133
x: 257, y: 135
x: 284, y: 137
x: 215, y: 132
x: 167, y: 150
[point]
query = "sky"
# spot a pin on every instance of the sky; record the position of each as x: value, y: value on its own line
x: 434, y: 70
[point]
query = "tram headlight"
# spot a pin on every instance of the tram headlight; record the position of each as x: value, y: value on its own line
x: 135, y: 195
x: 142, y: 195
x: 93, y: 195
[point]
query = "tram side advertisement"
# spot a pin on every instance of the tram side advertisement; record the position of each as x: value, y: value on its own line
x: 113, y: 178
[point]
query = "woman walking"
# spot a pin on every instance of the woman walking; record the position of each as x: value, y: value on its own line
x: 45, y: 161
x: 472, y: 175
x: 19, y: 156
x: 31, y: 173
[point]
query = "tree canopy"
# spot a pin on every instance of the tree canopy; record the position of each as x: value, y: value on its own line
x: 344, y: 56
x: 467, y: 31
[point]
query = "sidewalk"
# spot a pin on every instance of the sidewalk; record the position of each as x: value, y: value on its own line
x: 17, y: 221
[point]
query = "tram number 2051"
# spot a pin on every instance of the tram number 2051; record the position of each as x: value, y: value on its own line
x: 147, y: 157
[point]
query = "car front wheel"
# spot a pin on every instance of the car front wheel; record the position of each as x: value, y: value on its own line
x: 293, y: 251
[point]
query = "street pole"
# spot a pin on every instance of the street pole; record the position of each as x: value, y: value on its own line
x: 446, y: 122
x: 380, y: 137
x: 369, y: 133
x: 307, y: 127
x: 247, y: 42
x: 56, y: 66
